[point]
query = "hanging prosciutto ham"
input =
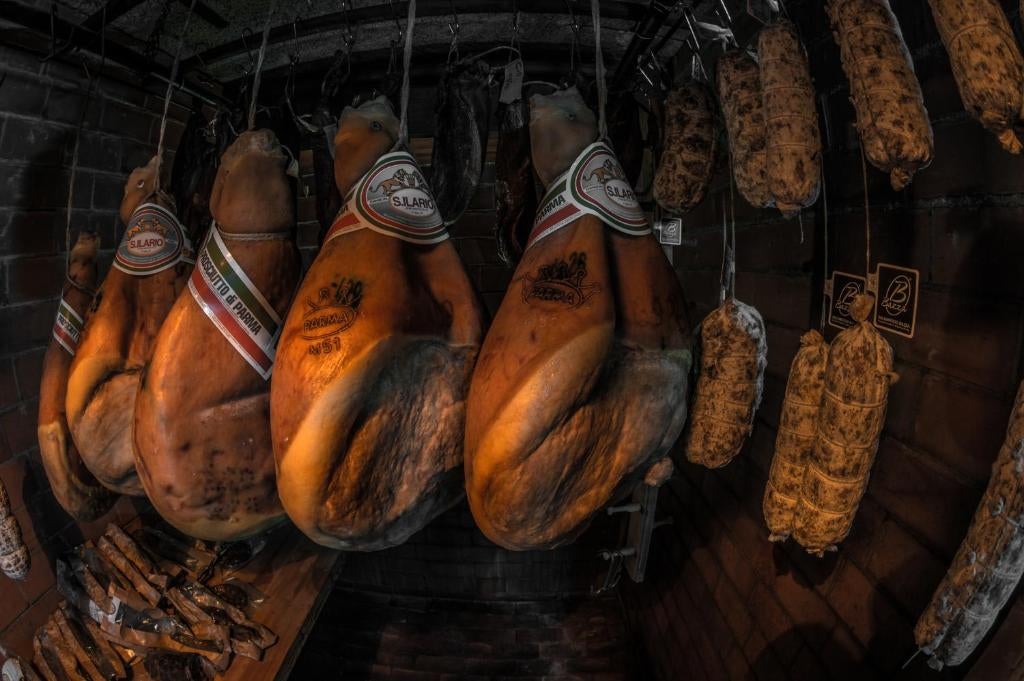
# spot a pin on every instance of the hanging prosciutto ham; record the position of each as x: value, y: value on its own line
x: 202, y: 437
x: 75, y: 488
x: 580, y: 386
x: 150, y: 269
x: 368, y: 395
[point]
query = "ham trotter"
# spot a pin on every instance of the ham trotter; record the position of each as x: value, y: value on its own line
x: 580, y: 387
x: 75, y: 488
x: 367, y: 401
x: 202, y: 439
x: 150, y: 269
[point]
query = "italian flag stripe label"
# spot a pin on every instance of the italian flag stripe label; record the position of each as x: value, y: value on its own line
x: 67, y: 327
x: 235, y: 305
x: 393, y: 199
x: 594, y: 184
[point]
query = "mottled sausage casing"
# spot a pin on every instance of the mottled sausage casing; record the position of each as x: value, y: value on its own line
x: 794, y: 441
x: 739, y: 92
x: 891, y: 118
x: 688, y: 149
x: 793, y: 142
x: 987, y: 63
x: 733, y: 357
x: 989, y: 563
x: 857, y: 380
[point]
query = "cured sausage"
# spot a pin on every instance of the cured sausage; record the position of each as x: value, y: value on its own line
x: 733, y: 357
x: 792, y: 139
x: 14, y: 556
x: 368, y: 398
x: 75, y: 488
x: 794, y: 441
x: 150, y: 269
x: 202, y: 439
x: 857, y: 380
x: 688, y: 149
x: 989, y: 563
x: 891, y: 118
x: 987, y: 64
x: 739, y: 92
x: 580, y: 387
x: 460, y: 136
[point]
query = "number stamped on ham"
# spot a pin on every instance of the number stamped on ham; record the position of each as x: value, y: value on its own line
x: 561, y: 281
x: 333, y: 312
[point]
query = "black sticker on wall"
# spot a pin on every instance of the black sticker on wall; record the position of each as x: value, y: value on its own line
x: 896, y: 299
x: 840, y: 291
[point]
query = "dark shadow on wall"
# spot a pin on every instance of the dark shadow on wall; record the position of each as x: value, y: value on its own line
x: 807, y: 662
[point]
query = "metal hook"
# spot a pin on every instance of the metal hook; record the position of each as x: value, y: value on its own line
x: 515, y: 18
x: 349, y: 36
x: 394, y: 17
x: 456, y: 26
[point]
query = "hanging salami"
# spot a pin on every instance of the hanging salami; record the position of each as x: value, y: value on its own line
x: 857, y: 380
x: 795, y: 438
x: 688, y: 149
x: 989, y: 563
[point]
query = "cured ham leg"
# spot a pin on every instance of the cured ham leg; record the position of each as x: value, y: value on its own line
x: 151, y: 269
x: 202, y: 427
x: 76, y: 489
x: 367, y: 401
x: 580, y: 387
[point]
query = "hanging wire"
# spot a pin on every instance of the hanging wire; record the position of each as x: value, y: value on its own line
x: 514, y: 43
x: 574, y: 45
x: 93, y: 80
x: 824, y: 265
x: 170, y: 91
x: 455, y: 27
x: 602, y: 87
x: 867, y: 216
x: 259, y: 65
x: 403, y: 131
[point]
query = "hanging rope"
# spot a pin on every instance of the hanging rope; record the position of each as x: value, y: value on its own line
x: 602, y: 87
x: 824, y: 265
x: 170, y: 91
x: 93, y: 79
x: 403, y: 131
x: 259, y: 65
x: 867, y: 216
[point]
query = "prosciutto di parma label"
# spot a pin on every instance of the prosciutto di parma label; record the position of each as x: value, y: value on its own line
x: 235, y: 306
x: 394, y: 199
x: 594, y: 184
x: 153, y: 242
x: 67, y: 328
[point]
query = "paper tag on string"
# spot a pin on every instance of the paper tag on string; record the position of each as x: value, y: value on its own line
x: 896, y: 295
x: 512, y: 83
x: 670, y: 231
x: 840, y: 289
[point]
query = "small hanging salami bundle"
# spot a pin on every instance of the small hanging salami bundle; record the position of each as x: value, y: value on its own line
x: 734, y: 354
x: 794, y: 442
x: 14, y: 557
x: 987, y: 64
x: 857, y: 380
x: 891, y: 118
x: 988, y: 564
x: 739, y: 92
x: 688, y: 154
x: 792, y: 138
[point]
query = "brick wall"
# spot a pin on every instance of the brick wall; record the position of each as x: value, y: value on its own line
x: 720, y: 601
x: 40, y: 105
